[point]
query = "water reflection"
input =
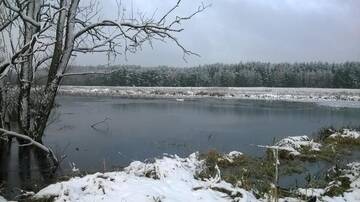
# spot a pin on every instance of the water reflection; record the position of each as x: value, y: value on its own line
x: 5, y: 153
x: 23, y: 168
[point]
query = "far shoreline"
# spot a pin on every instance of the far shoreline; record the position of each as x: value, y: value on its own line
x: 324, y: 96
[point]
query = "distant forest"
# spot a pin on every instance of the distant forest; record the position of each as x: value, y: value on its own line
x: 254, y: 74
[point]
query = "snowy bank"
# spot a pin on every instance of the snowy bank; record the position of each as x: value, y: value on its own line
x: 346, y: 133
x: 2, y: 199
x: 296, y: 145
x: 167, y: 179
x: 352, y: 173
x: 342, y: 136
x: 173, y: 178
x: 349, y: 97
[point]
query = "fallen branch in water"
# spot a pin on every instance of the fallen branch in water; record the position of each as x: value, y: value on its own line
x: 100, y: 122
x: 31, y: 142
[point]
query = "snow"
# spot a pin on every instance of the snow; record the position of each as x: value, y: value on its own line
x: 172, y: 178
x: 74, y: 168
x: 353, y: 194
x: 234, y: 154
x: 311, y: 192
x: 2, y: 199
x: 295, y: 144
x: 346, y: 133
x: 328, y: 97
x: 167, y: 179
x: 231, y: 156
x: 288, y: 199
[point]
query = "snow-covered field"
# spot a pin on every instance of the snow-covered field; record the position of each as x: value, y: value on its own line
x: 332, y: 97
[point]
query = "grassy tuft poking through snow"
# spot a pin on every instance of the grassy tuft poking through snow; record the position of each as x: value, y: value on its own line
x: 343, y: 185
x: 297, y: 146
x: 249, y: 173
x: 329, y: 145
x: 345, y: 136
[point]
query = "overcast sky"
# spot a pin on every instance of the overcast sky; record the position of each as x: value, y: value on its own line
x: 231, y: 31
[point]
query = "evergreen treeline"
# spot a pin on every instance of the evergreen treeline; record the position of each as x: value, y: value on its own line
x: 322, y: 75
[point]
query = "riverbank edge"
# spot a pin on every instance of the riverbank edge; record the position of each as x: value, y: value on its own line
x: 250, y: 93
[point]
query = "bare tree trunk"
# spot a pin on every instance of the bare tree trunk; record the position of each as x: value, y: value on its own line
x: 2, y: 111
x: 58, y: 48
x: 26, y: 72
x: 60, y: 68
x: 53, y: 81
x: 44, y: 111
x: 2, y: 88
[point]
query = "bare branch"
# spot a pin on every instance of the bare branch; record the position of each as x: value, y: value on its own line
x: 20, y: 13
x: 31, y: 142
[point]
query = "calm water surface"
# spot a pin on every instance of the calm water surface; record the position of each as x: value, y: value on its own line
x: 137, y: 129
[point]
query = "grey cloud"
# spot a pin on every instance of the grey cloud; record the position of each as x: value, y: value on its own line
x: 254, y: 30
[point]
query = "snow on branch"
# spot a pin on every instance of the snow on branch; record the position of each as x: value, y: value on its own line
x: 31, y: 142
x: 133, y: 32
x: 19, y: 11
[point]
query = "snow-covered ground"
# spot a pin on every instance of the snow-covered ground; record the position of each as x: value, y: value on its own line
x: 348, y: 97
x: 167, y: 179
x: 173, y: 179
x: 2, y: 199
x: 353, y: 194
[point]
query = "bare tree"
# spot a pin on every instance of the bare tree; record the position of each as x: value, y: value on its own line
x: 2, y: 80
x: 47, y: 34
